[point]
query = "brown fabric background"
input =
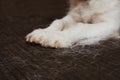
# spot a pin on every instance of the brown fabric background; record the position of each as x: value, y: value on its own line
x: 33, y: 7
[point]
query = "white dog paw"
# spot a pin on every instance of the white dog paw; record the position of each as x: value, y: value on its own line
x: 48, y: 38
x: 55, y: 42
x: 35, y: 36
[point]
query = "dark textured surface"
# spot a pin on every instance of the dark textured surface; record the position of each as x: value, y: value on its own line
x: 24, y: 61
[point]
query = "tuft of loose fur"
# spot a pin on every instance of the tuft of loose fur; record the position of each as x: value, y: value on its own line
x: 87, y: 22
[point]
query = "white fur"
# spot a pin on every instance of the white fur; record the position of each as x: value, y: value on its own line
x: 75, y: 27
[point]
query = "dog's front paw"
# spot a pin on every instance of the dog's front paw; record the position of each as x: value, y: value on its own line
x: 48, y: 38
x: 55, y: 40
x: 35, y: 36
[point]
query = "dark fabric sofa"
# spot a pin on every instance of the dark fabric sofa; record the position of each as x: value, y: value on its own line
x: 25, y: 61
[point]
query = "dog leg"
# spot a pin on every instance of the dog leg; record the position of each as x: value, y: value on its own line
x: 90, y: 33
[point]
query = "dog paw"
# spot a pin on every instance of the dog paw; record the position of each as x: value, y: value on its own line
x: 48, y: 38
x: 34, y: 36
